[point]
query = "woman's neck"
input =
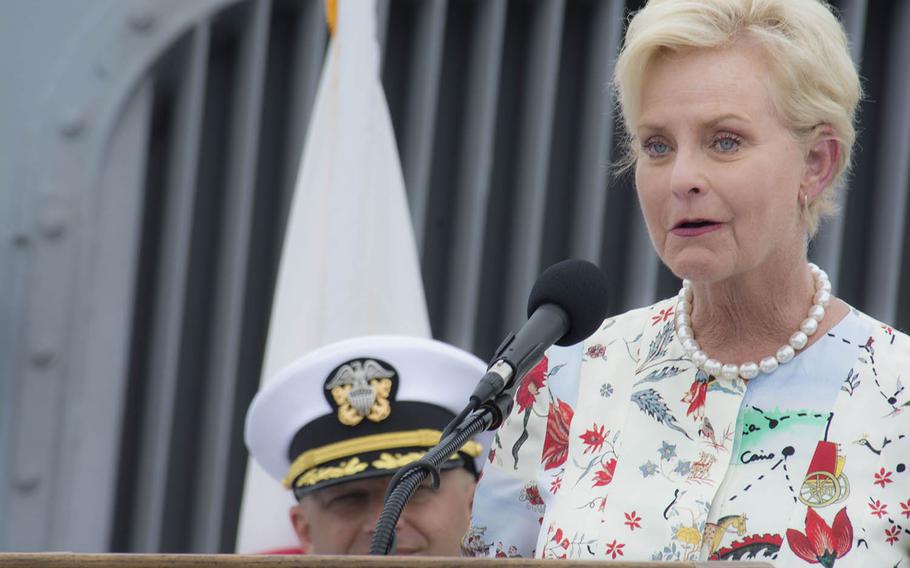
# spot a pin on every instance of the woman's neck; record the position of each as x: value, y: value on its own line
x: 749, y: 316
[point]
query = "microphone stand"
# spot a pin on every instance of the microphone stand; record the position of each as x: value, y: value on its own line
x: 403, y: 485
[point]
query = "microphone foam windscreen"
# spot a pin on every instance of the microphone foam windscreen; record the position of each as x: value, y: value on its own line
x: 579, y: 288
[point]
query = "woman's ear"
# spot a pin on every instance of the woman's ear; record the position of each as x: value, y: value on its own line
x: 821, y: 163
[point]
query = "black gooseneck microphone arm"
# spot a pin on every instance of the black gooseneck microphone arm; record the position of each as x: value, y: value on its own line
x: 566, y: 305
x: 404, y: 483
x: 489, y: 405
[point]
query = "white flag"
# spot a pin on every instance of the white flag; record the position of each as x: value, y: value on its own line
x: 349, y: 264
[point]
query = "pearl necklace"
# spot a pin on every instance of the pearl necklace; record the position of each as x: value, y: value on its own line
x: 751, y: 369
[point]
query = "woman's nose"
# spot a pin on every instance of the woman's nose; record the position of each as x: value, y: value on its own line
x: 687, y: 178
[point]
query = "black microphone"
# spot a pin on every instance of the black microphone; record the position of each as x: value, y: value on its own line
x: 567, y: 304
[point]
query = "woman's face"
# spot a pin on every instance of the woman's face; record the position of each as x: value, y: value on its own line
x: 718, y: 174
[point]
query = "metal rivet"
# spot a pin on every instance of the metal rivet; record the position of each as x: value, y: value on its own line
x: 42, y: 357
x: 27, y: 483
x: 53, y: 227
x: 73, y: 124
x: 142, y: 20
x: 101, y: 70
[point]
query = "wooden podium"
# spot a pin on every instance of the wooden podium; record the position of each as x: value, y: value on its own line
x: 67, y: 560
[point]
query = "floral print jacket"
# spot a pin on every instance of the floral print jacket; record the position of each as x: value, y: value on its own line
x: 621, y: 448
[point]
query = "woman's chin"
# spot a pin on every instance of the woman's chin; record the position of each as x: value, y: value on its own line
x: 697, y: 269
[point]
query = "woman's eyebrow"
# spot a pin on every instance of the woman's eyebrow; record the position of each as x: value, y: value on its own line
x: 728, y: 116
x: 654, y: 127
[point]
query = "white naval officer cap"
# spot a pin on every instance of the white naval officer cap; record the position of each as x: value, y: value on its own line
x: 361, y: 408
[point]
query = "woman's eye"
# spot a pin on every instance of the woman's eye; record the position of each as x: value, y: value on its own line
x: 656, y: 147
x: 727, y: 144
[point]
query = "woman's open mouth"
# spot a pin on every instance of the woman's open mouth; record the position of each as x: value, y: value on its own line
x: 695, y: 227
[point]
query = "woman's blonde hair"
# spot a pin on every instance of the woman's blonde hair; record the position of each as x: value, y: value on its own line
x: 815, y: 81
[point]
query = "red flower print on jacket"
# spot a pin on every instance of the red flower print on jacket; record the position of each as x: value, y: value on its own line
x: 664, y: 315
x: 560, y: 539
x: 614, y: 549
x: 531, y: 385
x: 530, y: 494
x: 594, y: 438
x: 632, y: 519
x: 822, y: 544
x: 696, y: 395
x: 596, y: 351
x: 556, y: 484
x: 605, y: 475
x: 883, y: 478
x: 879, y: 509
x: 556, y: 441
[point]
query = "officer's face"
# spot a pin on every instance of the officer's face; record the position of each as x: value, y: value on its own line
x: 341, y: 519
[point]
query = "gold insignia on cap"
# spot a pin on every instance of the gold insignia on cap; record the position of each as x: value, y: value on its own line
x: 390, y: 461
x: 394, y: 461
x: 306, y: 462
x: 351, y: 467
x: 361, y: 390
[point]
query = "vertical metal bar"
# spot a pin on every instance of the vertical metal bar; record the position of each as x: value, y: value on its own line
x: 593, y: 165
x: 854, y: 13
x: 826, y: 248
x: 472, y: 186
x: 309, y: 52
x: 890, y: 198
x: 94, y: 409
x: 227, y: 321
x: 420, y: 117
x: 169, y: 300
x: 40, y: 391
x: 533, y: 140
x: 382, y: 29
